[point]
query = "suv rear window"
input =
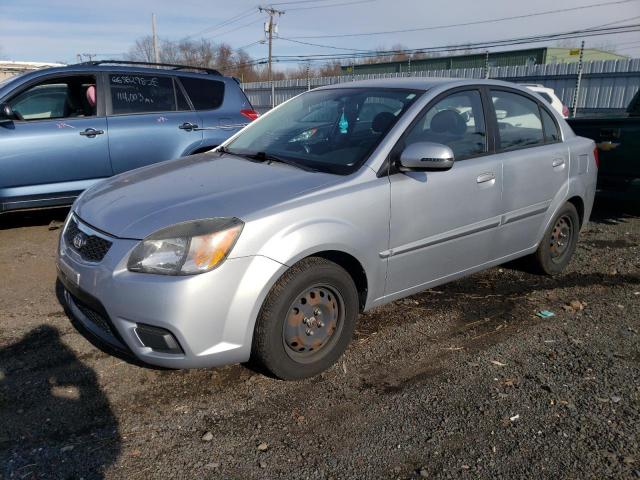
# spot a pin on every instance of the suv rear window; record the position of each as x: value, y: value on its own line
x: 204, y: 94
x: 141, y: 94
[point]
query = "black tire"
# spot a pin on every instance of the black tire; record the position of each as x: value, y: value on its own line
x: 553, y: 256
x: 272, y: 339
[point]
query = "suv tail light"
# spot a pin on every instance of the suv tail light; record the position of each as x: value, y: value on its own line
x: 596, y: 156
x: 565, y: 111
x: 250, y: 114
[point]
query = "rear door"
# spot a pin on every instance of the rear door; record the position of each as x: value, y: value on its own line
x: 149, y: 120
x: 535, y: 165
x: 56, y: 144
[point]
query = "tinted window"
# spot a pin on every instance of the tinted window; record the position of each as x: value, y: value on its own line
x: 325, y: 129
x: 519, y: 123
x: 204, y: 94
x: 183, y: 104
x: 60, y: 98
x: 141, y: 93
x: 546, y: 96
x: 551, y: 132
x: 456, y: 121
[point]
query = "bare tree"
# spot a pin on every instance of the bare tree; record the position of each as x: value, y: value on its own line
x: 200, y: 53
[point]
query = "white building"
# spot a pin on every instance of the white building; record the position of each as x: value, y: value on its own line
x: 10, y: 68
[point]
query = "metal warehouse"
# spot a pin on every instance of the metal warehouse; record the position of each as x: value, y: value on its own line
x: 532, y: 56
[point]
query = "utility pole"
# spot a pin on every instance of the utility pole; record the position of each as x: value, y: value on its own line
x: 574, y: 106
x: 269, y: 29
x: 154, y: 34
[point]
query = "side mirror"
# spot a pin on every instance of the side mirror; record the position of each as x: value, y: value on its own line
x: 426, y: 156
x: 6, y: 113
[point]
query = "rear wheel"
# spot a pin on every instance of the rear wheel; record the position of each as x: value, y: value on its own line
x: 307, y: 320
x: 559, y: 241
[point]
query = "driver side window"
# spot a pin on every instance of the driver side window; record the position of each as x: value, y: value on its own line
x: 456, y: 121
x: 57, y: 98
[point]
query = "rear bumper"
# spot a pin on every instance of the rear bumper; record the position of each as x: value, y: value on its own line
x: 211, y: 316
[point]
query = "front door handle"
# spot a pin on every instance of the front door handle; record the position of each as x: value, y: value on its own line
x: 558, y: 162
x: 91, y: 132
x: 486, y: 177
x: 188, y: 126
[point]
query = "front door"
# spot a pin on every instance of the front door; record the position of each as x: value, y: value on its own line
x: 56, y: 145
x: 149, y: 120
x: 444, y: 223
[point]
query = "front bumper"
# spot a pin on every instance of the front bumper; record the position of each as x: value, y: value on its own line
x: 211, y: 315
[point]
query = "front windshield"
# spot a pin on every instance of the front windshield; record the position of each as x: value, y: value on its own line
x: 331, y: 130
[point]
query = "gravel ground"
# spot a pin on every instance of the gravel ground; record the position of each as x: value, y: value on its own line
x: 460, y: 381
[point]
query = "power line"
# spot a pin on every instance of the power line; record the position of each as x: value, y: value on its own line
x: 446, y: 48
x: 333, y: 47
x: 343, y: 4
x: 457, y: 47
x: 253, y: 22
x: 323, y: 46
x: 224, y: 23
x: 250, y: 44
x: 297, y: 2
x: 465, y: 24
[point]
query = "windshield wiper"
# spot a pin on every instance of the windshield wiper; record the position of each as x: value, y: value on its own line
x: 269, y: 158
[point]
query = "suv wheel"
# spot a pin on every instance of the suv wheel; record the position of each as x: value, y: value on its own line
x: 307, y: 320
x: 559, y: 241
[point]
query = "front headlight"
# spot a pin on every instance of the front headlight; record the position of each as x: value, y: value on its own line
x: 186, y: 248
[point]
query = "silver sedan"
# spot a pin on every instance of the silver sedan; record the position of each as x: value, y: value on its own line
x: 338, y: 201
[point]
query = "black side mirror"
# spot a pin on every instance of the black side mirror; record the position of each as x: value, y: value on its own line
x: 6, y: 113
x: 426, y: 156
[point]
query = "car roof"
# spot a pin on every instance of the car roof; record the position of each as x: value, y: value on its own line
x: 419, y: 83
x: 88, y: 68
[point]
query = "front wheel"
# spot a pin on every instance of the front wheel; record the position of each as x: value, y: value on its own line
x: 559, y: 241
x: 307, y: 320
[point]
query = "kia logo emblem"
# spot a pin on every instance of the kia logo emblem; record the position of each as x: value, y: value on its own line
x: 79, y: 240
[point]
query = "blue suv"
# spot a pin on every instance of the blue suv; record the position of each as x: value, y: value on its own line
x: 64, y: 129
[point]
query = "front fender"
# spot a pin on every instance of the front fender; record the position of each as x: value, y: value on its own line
x: 309, y: 237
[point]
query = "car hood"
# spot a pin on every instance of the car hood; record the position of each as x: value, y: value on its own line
x: 137, y: 203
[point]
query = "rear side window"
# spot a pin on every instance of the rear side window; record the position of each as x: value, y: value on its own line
x: 141, y: 94
x: 519, y: 123
x: 546, y: 96
x: 551, y: 132
x: 204, y: 94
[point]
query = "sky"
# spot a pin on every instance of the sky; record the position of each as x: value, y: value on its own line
x: 57, y: 30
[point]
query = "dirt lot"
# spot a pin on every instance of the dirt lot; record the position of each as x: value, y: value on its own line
x: 461, y: 381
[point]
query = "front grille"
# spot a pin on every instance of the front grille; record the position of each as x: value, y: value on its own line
x: 91, y: 247
x: 94, y: 317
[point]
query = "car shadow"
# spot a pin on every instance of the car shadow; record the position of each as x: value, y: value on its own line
x: 56, y: 420
x: 54, y: 217
x: 610, y: 211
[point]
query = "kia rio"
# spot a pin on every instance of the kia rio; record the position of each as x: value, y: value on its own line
x: 340, y: 200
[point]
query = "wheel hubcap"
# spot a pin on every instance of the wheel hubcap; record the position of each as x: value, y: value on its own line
x: 312, y: 321
x: 561, y: 237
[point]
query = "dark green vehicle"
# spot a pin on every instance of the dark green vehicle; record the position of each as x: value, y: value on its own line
x: 618, y: 142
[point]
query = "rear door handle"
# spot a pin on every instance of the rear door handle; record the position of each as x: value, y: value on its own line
x: 188, y: 126
x: 486, y: 177
x: 558, y: 162
x: 91, y: 132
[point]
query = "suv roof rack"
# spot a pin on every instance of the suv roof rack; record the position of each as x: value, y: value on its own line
x: 174, y: 66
